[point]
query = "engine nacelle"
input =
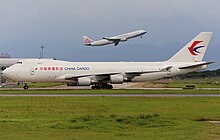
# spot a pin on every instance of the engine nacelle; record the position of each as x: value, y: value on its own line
x: 117, y: 79
x: 84, y: 81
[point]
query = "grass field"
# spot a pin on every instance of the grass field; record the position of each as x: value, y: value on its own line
x: 199, y: 83
x: 76, y: 118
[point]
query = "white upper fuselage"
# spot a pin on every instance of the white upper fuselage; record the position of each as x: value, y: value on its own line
x: 122, y: 38
x: 38, y: 70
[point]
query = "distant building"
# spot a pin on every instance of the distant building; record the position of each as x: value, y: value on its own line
x: 5, y: 55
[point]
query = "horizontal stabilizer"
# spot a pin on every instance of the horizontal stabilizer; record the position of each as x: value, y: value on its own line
x: 196, y: 65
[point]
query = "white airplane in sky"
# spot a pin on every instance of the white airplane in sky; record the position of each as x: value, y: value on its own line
x: 114, y: 39
x: 103, y: 74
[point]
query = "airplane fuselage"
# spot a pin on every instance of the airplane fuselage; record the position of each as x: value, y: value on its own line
x: 52, y: 70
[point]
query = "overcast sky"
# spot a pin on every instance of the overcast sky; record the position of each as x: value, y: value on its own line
x: 59, y: 24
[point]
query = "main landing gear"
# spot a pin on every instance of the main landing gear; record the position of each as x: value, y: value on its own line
x: 102, y: 86
x: 25, y: 86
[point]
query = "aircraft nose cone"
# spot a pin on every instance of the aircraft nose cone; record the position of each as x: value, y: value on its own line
x: 142, y: 32
x: 6, y: 73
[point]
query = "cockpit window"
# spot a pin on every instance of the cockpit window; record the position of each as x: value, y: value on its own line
x: 19, y: 62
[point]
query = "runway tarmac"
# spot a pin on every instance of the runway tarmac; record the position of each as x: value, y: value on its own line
x: 127, y: 86
x: 88, y: 88
x: 109, y: 95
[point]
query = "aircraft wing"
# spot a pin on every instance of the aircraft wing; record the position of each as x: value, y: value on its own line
x: 195, y: 65
x: 112, y: 39
x: 153, y: 71
x: 130, y: 74
x: 115, y: 40
x: 74, y: 77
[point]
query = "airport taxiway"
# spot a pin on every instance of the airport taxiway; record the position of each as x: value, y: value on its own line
x: 109, y: 95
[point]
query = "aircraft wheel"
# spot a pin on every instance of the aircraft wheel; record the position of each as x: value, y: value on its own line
x: 25, y: 87
x: 98, y: 87
x: 109, y: 87
x: 104, y: 86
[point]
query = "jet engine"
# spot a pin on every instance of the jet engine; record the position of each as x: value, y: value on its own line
x: 84, y: 81
x: 116, y: 79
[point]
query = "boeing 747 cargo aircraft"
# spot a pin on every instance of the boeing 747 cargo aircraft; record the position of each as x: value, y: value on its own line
x: 102, y: 74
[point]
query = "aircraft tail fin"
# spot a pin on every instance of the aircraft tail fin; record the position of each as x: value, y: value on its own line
x: 195, y: 50
x: 87, y: 40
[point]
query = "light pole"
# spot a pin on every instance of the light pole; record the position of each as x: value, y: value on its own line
x: 42, y: 50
